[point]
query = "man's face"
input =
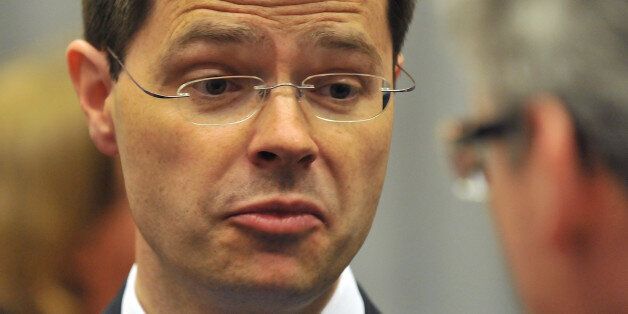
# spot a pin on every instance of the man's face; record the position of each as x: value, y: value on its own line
x: 518, y: 194
x: 515, y: 191
x: 496, y: 145
x: 281, y: 201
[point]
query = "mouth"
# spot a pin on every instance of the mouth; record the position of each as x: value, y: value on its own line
x: 279, y: 216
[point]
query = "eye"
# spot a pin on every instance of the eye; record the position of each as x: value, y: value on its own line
x: 215, y: 87
x: 338, y: 87
x: 340, y: 91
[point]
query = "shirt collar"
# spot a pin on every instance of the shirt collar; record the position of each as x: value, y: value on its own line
x: 346, y: 298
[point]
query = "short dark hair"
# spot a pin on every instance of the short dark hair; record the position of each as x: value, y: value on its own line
x: 400, y: 13
x: 113, y: 23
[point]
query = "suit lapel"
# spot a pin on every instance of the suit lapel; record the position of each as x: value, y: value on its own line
x: 369, y: 307
x: 115, y: 307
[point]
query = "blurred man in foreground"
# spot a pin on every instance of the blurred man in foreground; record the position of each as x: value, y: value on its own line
x: 550, y: 136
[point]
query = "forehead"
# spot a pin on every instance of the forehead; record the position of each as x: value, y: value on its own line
x: 358, y: 25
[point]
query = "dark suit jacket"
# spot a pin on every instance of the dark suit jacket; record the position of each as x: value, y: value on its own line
x: 116, y: 305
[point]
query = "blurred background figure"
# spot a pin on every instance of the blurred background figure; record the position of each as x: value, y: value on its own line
x: 65, y: 228
x: 550, y: 135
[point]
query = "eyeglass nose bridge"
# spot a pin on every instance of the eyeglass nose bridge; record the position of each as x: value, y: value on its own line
x: 265, y: 90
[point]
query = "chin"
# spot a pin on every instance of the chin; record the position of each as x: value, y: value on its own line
x: 278, y: 293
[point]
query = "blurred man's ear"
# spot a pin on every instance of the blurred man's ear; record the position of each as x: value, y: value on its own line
x: 89, y: 71
x: 561, y: 182
x: 400, y: 63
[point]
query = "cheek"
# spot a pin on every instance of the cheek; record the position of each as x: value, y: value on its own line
x: 511, y: 209
x: 357, y: 157
x: 502, y: 203
x: 164, y: 157
x: 150, y: 145
x: 505, y: 190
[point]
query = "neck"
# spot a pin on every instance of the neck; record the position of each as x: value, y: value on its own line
x: 162, y: 288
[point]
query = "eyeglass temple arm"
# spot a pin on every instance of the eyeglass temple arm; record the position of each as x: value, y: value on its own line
x: 156, y: 95
x: 489, y: 130
x: 402, y: 90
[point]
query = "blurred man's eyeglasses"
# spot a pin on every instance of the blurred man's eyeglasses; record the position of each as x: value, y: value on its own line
x: 335, y: 97
x: 467, y: 153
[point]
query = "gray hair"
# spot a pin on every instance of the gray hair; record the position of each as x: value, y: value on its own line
x: 576, y: 50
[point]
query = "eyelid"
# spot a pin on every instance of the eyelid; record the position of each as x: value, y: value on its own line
x: 189, y: 71
x: 201, y: 74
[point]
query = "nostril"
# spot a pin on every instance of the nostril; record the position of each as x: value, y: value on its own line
x: 268, y: 156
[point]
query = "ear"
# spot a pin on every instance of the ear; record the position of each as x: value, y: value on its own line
x: 89, y: 71
x: 555, y: 170
x: 400, y: 63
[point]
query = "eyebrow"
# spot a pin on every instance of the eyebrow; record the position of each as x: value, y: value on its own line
x: 212, y: 33
x: 347, y: 41
x: 217, y: 33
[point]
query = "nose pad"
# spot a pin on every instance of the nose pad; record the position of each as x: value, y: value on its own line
x: 266, y: 91
x: 283, y: 137
x: 266, y: 94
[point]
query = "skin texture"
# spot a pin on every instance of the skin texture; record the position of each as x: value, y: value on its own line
x: 183, y: 179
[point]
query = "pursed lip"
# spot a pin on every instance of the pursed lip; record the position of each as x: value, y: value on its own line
x: 279, y: 216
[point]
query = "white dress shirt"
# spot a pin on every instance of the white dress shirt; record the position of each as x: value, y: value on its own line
x: 345, y: 300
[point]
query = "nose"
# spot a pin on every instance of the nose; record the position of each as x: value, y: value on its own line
x: 282, y: 136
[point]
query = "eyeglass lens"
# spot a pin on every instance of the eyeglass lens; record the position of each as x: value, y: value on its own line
x: 231, y: 99
x: 466, y: 160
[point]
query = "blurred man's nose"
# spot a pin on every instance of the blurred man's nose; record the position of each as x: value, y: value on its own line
x: 282, y: 132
